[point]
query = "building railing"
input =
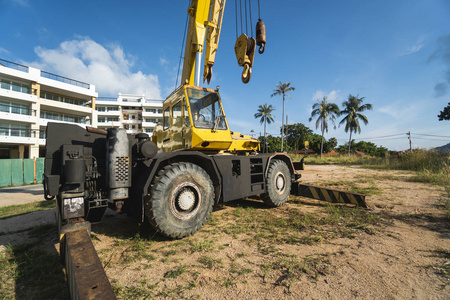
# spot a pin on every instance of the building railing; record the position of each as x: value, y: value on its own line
x: 18, y: 132
x: 65, y: 79
x: 15, y: 109
x: 106, y: 99
x: 12, y: 65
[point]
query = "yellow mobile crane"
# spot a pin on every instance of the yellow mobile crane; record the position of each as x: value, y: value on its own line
x: 203, y: 163
x: 193, y: 117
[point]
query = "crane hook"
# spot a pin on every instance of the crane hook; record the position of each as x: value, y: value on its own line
x: 261, y: 36
x: 246, y: 73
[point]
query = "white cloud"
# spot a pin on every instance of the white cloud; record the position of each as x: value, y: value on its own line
x: 21, y: 2
x: 108, y: 68
x: 331, y: 96
x: 419, y: 44
x: 163, y: 61
x: 3, y: 50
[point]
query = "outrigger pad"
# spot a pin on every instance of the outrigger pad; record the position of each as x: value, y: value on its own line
x: 329, y: 195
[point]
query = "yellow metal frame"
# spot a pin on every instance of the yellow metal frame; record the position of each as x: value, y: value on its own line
x: 184, y: 135
x: 205, y: 19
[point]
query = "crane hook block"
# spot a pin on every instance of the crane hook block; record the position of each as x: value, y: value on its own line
x: 245, y: 53
x: 261, y: 36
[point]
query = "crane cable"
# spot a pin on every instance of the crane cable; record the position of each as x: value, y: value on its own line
x: 182, y: 47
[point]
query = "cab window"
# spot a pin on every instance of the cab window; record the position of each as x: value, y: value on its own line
x: 166, y: 118
x: 186, y: 115
x: 176, y: 114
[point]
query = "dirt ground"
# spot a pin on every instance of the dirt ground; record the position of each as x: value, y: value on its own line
x: 398, y: 248
x: 404, y: 256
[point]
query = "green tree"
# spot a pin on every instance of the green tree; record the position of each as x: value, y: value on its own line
x: 352, y: 112
x: 265, y: 116
x: 324, y: 111
x: 273, y: 142
x: 283, y: 89
x: 296, y: 135
x: 445, y: 114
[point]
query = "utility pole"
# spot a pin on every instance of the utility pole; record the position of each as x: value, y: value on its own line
x: 410, y: 143
x: 285, y: 129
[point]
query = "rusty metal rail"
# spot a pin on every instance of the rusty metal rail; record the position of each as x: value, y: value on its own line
x: 329, y: 195
x: 85, y: 274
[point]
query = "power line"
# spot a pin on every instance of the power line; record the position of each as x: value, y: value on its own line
x: 432, y: 135
x: 421, y: 138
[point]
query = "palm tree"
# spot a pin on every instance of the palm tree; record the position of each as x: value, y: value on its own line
x: 352, y: 111
x: 324, y: 111
x: 265, y: 115
x: 282, y: 89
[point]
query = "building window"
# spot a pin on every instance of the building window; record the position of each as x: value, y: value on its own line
x: 133, y: 117
x: 100, y: 108
x: 101, y: 119
x: 15, y: 86
x: 42, y: 134
x: 113, y: 119
x: 149, y: 130
x: 159, y: 111
x: 113, y: 108
x: 151, y: 110
x: 53, y: 97
x: 133, y: 126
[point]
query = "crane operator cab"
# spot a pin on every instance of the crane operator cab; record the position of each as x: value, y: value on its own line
x: 193, y: 119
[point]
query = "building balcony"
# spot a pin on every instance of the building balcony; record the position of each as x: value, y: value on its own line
x: 18, y: 136
x: 132, y: 121
x: 109, y: 124
x: 19, y: 95
x: 115, y: 113
x: 149, y: 124
x: 151, y: 114
x: 64, y: 107
x: 18, y: 117
x: 43, y: 122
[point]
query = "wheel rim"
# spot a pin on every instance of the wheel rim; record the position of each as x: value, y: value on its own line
x: 185, y: 201
x: 280, y: 183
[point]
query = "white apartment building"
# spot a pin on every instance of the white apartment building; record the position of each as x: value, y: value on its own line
x: 30, y: 98
x: 132, y: 112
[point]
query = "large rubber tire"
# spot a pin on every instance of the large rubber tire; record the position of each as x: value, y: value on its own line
x: 278, y: 183
x: 181, y: 200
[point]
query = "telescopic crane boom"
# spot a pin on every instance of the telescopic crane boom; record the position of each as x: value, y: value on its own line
x: 193, y: 117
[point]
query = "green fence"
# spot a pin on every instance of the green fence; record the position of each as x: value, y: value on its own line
x: 21, y: 171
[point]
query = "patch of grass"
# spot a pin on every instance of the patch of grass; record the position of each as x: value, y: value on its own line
x: 228, y: 281
x: 210, y: 262
x: 132, y: 292
x: 27, y: 272
x: 355, y: 186
x: 201, y: 245
x: 442, y: 268
x: 21, y: 209
x: 176, y: 272
x: 288, y: 268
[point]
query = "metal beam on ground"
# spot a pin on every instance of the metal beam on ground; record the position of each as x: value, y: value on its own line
x: 329, y: 195
x: 85, y: 274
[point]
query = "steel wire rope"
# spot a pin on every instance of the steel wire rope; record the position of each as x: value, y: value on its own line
x: 259, y: 11
x: 236, y: 10
x: 246, y: 22
x: 182, y: 46
x: 240, y: 10
x: 251, y: 21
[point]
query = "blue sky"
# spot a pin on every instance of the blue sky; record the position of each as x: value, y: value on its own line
x: 396, y: 54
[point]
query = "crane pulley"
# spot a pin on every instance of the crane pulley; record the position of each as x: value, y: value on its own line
x: 245, y: 46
